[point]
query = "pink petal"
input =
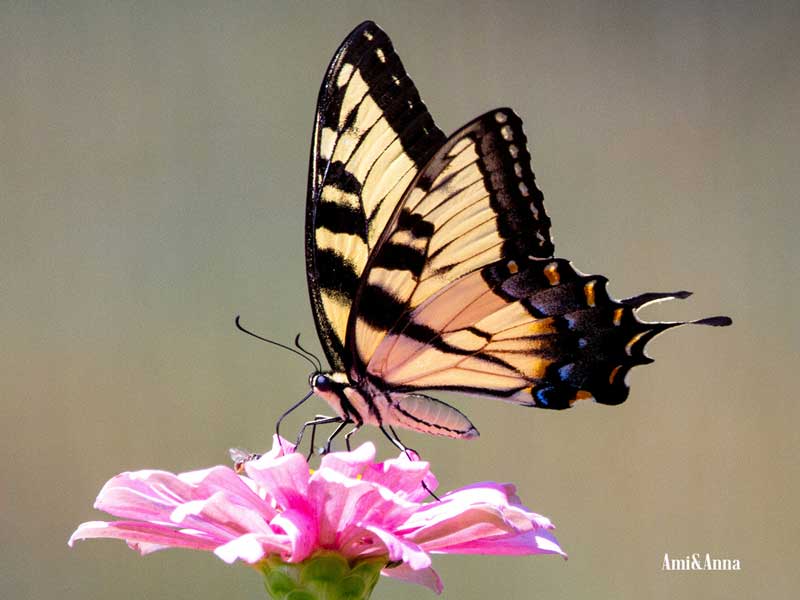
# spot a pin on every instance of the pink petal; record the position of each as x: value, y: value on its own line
x: 335, y: 499
x: 145, y: 537
x: 405, y: 475
x: 531, y: 542
x: 153, y: 495
x: 342, y: 503
x: 219, y: 516
x: 252, y: 547
x: 427, y: 577
x: 350, y: 464
x: 490, y: 497
x: 475, y: 519
x: 284, y: 478
x: 147, y: 495
x: 399, y: 475
x: 280, y: 447
x: 206, y: 482
x: 300, y: 527
x: 358, y: 542
x: 399, y: 549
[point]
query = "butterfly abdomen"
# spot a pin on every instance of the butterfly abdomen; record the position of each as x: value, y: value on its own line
x: 363, y: 403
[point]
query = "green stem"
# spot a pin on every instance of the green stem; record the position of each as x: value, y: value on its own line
x: 324, y: 576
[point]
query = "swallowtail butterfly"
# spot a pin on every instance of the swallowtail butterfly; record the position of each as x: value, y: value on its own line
x: 430, y: 264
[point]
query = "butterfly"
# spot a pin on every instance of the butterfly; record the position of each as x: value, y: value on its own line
x: 430, y: 264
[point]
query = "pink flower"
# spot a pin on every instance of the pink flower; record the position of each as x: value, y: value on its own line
x: 350, y: 505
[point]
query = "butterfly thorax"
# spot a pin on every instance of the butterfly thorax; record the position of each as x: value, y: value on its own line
x: 350, y: 402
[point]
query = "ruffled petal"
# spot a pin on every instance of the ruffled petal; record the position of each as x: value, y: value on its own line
x: 252, y: 547
x: 153, y: 495
x: 336, y: 500
x: 427, y: 577
x: 283, y: 478
x: 342, y: 503
x: 219, y: 516
x: 400, y: 475
x: 147, y: 495
x: 144, y: 537
x: 539, y: 541
x: 350, y: 464
x: 399, y: 549
x: 301, y: 530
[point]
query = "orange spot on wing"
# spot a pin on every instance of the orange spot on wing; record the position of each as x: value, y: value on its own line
x: 541, y: 327
x: 551, y: 272
x: 588, y: 291
x: 629, y: 346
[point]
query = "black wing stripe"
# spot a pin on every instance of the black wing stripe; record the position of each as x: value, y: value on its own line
x: 433, y: 338
x: 487, y: 251
x: 401, y: 257
x: 342, y: 179
x: 341, y: 218
x: 500, y: 393
x: 380, y: 308
x: 415, y: 224
x: 337, y: 275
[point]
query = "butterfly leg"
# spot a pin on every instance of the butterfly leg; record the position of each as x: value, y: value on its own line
x: 317, y: 420
x: 348, y: 434
x: 409, y: 452
x: 342, y: 425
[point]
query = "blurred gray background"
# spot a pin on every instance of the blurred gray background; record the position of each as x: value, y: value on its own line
x: 153, y: 179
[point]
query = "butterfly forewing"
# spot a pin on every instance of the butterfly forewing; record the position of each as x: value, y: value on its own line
x: 372, y: 134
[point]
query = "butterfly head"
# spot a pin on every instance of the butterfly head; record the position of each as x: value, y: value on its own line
x: 325, y: 383
x: 331, y: 387
x: 321, y: 382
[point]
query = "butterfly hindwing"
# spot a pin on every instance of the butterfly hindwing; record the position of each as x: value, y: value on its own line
x: 474, y: 203
x: 530, y: 331
x: 372, y: 134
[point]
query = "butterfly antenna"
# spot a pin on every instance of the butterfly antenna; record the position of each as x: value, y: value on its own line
x: 314, y: 356
x: 241, y: 328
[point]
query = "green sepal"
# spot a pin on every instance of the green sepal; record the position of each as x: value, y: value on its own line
x: 324, y: 576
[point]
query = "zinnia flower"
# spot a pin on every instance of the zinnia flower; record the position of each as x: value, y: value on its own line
x: 347, y: 520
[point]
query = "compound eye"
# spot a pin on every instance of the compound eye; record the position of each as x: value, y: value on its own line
x: 322, y: 383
